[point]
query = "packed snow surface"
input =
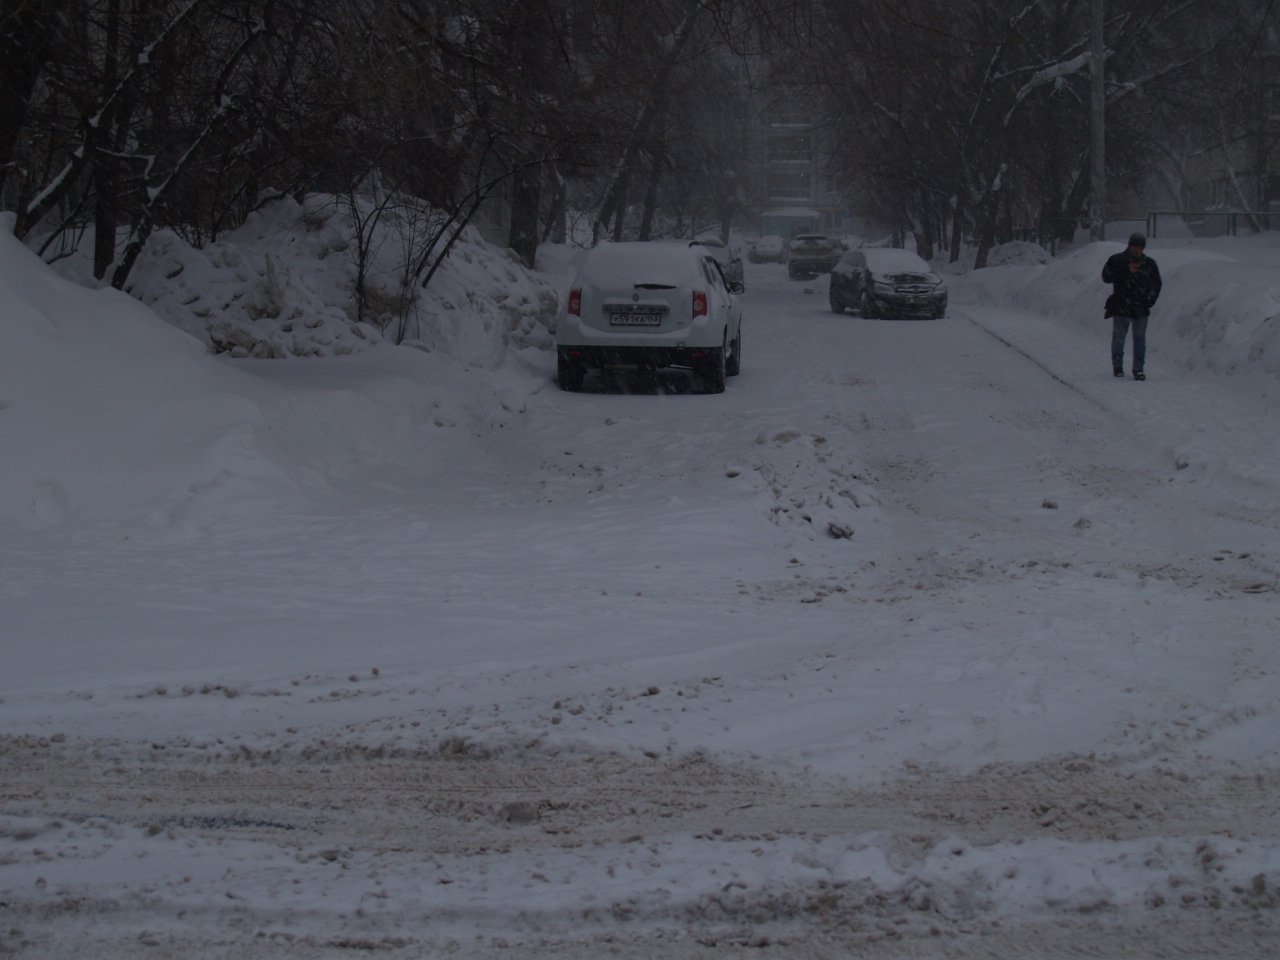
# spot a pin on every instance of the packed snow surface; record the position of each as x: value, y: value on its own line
x: 925, y: 638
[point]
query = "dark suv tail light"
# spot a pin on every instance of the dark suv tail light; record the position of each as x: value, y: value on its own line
x: 575, y: 301
x: 699, y: 303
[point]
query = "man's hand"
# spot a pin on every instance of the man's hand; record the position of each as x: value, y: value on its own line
x: 1133, y: 268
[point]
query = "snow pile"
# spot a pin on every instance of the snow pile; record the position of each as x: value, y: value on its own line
x: 1015, y: 253
x: 1223, y: 314
x: 270, y: 289
x: 106, y: 411
x: 483, y: 301
x: 82, y: 416
x: 284, y: 284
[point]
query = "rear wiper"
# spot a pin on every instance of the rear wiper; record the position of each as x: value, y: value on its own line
x: 655, y: 286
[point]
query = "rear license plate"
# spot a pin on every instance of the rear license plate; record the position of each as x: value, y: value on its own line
x: 636, y: 315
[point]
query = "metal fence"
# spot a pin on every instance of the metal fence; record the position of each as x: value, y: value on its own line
x: 1208, y: 223
x: 1162, y: 224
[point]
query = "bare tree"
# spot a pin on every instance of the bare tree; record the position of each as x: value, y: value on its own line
x: 971, y: 117
x: 29, y: 32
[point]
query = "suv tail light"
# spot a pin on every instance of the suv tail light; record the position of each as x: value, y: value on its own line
x: 575, y: 301
x: 699, y: 303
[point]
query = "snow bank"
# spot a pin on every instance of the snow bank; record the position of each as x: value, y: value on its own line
x: 284, y: 283
x: 1215, y: 312
x: 1012, y: 254
x: 92, y: 385
x: 107, y: 411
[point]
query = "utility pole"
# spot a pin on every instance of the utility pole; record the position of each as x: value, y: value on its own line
x: 1097, y: 119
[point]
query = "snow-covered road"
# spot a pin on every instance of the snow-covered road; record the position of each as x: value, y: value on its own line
x: 923, y: 639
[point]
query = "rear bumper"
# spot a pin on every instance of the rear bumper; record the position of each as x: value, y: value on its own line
x: 701, y: 332
x: 592, y: 357
x: 811, y: 266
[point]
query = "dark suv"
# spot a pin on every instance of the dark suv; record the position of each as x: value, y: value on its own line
x: 887, y: 282
x: 810, y: 254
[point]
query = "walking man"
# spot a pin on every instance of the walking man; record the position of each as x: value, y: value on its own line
x: 1135, y: 281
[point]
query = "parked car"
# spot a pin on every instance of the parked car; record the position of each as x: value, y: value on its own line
x: 650, y: 305
x: 729, y: 259
x: 810, y: 254
x: 887, y: 282
x: 772, y: 249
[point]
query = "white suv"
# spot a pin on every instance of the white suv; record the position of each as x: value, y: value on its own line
x: 651, y: 305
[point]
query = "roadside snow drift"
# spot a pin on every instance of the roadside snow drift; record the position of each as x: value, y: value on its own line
x: 104, y: 408
x: 1215, y: 312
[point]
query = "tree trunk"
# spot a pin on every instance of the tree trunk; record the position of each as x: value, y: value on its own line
x: 554, y: 231
x: 526, y: 200
x: 957, y: 229
x: 105, y: 165
x: 925, y: 235
x: 27, y: 41
x: 1073, y: 207
x: 141, y: 234
x: 612, y: 203
x: 924, y: 241
x: 620, y: 209
x: 106, y: 213
x: 651, y: 193
x: 79, y: 157
x: 726, y: 219
x: 986, y: 231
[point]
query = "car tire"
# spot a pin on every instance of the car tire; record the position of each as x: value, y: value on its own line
x: 712, y: 371
x: 868, y: 307
x: 733, y: 362
x: 570, y: 375
x: 791, y: 272
x: 836, y: 305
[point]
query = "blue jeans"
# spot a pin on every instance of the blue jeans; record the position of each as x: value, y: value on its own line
x: 1119, y: 331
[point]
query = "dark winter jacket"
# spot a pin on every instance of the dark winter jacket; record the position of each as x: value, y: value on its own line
x: 1134, y: 292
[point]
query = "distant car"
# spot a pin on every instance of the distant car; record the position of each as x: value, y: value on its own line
x: 771, y: 249
x: 650, y: 305
x: 810, y: 254
x: 730, y: 261
x: 887, y: 282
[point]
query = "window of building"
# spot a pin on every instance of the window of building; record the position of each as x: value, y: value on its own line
x: 789, y: 186
x: 789, y: 149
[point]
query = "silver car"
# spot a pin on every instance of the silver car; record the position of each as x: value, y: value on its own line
x: 810, y: 254
x: 650, y: 305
